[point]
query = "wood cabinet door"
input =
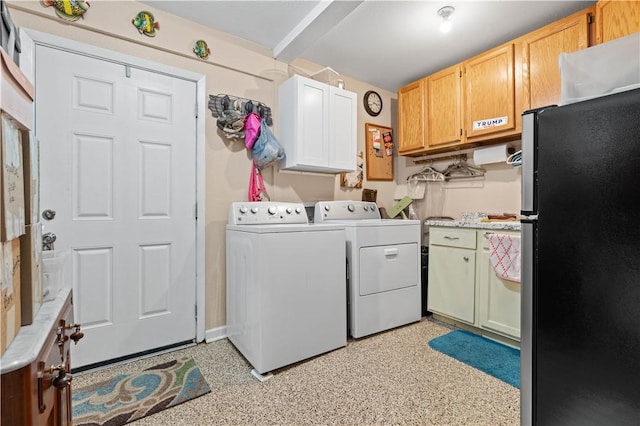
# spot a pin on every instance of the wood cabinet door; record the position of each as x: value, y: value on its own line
x: 615, y: 19
x: 541, y: 48
x: 411, y: 117
x: 490, y: 106
x: 444, y: 107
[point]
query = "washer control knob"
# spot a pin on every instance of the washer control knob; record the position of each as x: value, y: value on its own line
x: 327, y: 207
x: 366, y: 208
x: 243, y: 209
x: 351, y: 208
x: 254, y: 210
x: 288, y: 210
x: 272, y: 210
x: 298, y: 210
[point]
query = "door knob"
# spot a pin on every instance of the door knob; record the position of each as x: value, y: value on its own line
x: 48, y: 214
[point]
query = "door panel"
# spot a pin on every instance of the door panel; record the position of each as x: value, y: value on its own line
x: 118, y: 166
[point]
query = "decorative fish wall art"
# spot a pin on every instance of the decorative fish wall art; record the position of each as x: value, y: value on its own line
x: 145, y: 23
x: 69, y: 10
x: 201, y: 49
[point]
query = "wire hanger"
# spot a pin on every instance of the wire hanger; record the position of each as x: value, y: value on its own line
x: 461, y: 170
x: 428, y: 174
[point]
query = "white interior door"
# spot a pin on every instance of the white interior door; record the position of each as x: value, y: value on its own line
x: 118, y: 156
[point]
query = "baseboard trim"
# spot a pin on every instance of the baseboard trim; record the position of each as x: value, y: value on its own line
x: 215, y: 334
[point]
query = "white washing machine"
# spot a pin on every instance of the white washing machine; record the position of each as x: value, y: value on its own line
x: 383, y: 257
x: 286, y: 284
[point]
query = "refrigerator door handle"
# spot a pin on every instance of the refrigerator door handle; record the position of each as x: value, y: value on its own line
x: 528, y: 162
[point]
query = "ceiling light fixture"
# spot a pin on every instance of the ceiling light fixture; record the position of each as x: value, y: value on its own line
x: 445, y: 13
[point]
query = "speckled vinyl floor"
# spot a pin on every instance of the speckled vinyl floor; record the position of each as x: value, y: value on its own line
x: 392, y: 378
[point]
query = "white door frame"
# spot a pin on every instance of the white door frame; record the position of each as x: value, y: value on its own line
x: 30, y: 38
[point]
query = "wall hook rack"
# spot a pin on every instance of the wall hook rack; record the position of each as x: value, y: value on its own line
x: 222, y: 102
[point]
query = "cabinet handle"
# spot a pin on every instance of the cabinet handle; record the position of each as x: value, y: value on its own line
x: 391, y: 252
x: 446, y: 237
x: 41, y: 405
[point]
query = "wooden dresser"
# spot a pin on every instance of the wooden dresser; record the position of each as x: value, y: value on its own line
x: 36, y: 384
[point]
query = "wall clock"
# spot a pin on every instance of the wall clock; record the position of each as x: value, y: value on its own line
x: 372, y: 103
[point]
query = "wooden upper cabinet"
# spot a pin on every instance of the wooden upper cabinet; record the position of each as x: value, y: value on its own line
x: 540, y: 51
x: 412, y: 118
x: 444, y: 107
x: 490, y: 104
x: 615, y: 19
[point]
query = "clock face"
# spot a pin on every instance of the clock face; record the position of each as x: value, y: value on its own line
x: 372, y: 103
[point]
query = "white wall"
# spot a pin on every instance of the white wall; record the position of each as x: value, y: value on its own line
x: 240, y: 68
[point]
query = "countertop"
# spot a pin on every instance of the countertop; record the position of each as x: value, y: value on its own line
x: 31, y: 338
x: 513, y: 225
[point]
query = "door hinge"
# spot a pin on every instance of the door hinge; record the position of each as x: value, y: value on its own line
x: 589, y: 19
x: 195, y: 213
x: 127, y: 71
x: 196, y: 111
x: 196, y: 311
x: 460, y: 131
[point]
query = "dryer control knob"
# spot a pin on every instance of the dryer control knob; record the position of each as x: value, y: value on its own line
x: 298, y: 210
x: 351, y: 208
x: 243, y: 210
x: 288, y: 210
x: 327, y: 207
x: 254, y: 210
x: 366, y: 208
x: 272, y: 210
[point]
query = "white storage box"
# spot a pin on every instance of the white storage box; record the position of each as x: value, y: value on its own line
x: 329, y: 76
x: 600, y: 70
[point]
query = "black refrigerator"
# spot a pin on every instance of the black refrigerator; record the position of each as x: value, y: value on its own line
x: 580, y: 338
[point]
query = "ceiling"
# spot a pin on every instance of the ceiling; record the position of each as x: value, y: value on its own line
x: 384, y: 43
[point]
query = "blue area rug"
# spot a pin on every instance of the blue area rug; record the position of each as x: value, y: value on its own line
x: 496, y: 359
x: 128, y: 397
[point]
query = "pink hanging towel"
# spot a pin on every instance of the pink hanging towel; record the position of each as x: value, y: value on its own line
x: 505, y: 256
x: 257, y: 191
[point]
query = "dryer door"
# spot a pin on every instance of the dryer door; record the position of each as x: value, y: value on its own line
x: 388, y: 267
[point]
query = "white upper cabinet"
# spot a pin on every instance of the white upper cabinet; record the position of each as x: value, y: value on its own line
x: 317, y: 126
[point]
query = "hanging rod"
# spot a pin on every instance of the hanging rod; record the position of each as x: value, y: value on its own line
x: 460, y: 155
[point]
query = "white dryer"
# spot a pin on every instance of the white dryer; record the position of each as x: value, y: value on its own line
x: 286, y: 284
x: 383, y: 257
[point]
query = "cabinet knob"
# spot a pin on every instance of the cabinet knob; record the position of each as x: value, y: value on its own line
x: 466, y: 259
x: 77, y: 334
x: 62, y: 381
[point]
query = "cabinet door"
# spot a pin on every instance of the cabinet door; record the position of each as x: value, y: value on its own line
x: 444, y: 107
x: 498, y: 299
x: 313, y: 107
x: 412, y: 118
x: 541, y: 73
x: 342, y: 130
x: 615, y: 19
x: 451, y: 289
x: 490, y: 106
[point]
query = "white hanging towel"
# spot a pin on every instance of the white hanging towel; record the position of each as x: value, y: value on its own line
x: 505, y: 256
